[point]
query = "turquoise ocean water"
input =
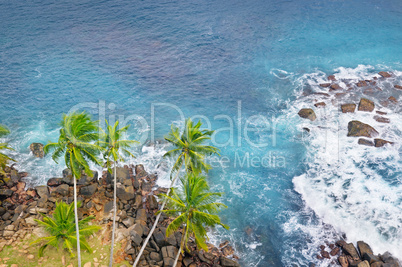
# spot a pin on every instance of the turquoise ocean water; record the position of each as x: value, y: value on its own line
x: 240, y: 66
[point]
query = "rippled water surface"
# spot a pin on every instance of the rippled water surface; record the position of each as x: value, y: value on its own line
x: 240, y: 64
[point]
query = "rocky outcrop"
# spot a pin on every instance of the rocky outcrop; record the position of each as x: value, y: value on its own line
x: 37, y: 150
x: 366, y: 105
x: 384, y: 74
x: 307, y: 113
x: 357, y: 128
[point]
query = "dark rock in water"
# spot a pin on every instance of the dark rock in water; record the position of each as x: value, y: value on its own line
x: 334, y: 251
x: 140, y: 171
x: 392, y: 99
x: 37, y: 150
x: 89, y: 190
x: 42, y: 190
x: 365, y: 142
x: 331, y: 78
x: 325, y: 85
x: 363, y: 247
x: 384, y: 74
x: 348, y: 108
x: 125, y: 192
x: 371, y: 258
x: 62, y: 190
x: 320, y: 104
x: 381, y: 112
x: 335, y: 86
x: 5, y: 193
x: 307, y: 113
x: 325, y: 254
x: 398, y: 87
x: 54, y: 181
x: 351, y: 250
x: 357, y: 128
x: 389, y: 260
x: 361, y: 84
x: 225, y: 262
x: 382, y: 119
x: 366, y: 105
x: 381, y: 142
x: 306, y: 129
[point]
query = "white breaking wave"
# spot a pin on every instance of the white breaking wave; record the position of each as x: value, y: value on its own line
x: 356, y: 189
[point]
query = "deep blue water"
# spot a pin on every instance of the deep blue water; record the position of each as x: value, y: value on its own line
x: 202, y: 58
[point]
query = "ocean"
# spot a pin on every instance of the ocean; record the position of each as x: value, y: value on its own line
x: 244, y: 68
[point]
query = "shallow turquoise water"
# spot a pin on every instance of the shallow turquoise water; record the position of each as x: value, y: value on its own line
x: 122, y: 58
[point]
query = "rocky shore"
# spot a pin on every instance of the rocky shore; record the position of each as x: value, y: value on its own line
x: 346, y: 255
x: 361, y: 97
x: 136, y: 203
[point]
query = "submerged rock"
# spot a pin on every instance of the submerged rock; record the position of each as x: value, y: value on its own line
x: 384, y: 74
x: 37, y: 150
x: 398, y: 86
x: 307, y: 113
x: 365, y: 142
x: 381, y: 119
x: 366, y: 105
x: 357, y: 128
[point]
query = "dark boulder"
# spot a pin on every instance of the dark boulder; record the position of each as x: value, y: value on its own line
x: 363, y: 247
x: 335, y: 86
x: 62, y: 190
x: 54, y: 181
x: 125, y: 193
x: 307, y: 113
x: 320, y: 104
x: 84, y: 180
x: 366, y: 105
x: 361, y: 84
x: 325, y: 85
x: 37, y: 150
x: 140, y: 171
x: 42, y: 190
x: 350, y: 249
x: 357, y: 128
x: 396, y: 86
x: 88, y: 191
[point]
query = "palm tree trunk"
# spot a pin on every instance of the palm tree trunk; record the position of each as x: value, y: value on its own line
x: 77, y: 229
x: 114, y: 217
x: 137, y: 259
x: 181, y: 247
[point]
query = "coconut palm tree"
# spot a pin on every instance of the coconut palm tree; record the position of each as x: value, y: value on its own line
x: 190, y: 150
x: 195, y: 208
x: 77, y: 134
x: 61, y: 228
x: 4, y: 159
x: 112, y: 142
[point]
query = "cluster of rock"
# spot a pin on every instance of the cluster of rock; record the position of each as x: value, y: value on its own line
x: 348, y: 256
x: 136, y: 208
x: 357, y: 128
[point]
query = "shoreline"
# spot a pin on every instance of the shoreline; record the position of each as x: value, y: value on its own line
x: 135, y: 215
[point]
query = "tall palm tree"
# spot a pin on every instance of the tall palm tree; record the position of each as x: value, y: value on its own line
x: 4, y: 159
x: 195, y: 208
x: 112, y: 142
x: 77, y: 134
x: 190, y: 150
